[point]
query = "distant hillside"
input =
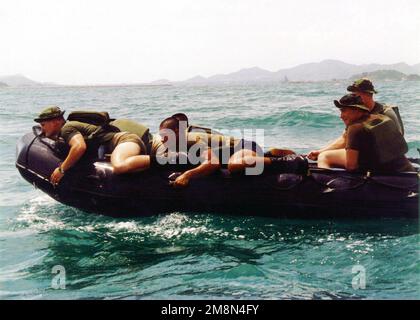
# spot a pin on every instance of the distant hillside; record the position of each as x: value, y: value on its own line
x: 416, y: 69
x: 320, y: 71
x: 2, y: 84
x: 386, y: 75
x: 19, y: 80
x: 413, y: 77
x: 196, y: 79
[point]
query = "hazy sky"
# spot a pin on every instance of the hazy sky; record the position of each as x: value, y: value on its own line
x: 101, y: 41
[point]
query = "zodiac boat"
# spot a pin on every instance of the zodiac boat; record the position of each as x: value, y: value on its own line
x: 93, y: 187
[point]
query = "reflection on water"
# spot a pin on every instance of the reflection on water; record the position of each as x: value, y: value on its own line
x: 205, y: 255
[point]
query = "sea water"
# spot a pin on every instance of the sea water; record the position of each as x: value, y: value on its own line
x: 52, y: 251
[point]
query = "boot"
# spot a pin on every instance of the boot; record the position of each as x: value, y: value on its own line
x: 289, y: 164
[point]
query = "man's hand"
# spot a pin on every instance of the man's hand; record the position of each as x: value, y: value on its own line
x: 56, y: 176
x: 182, y: 181
x: 313, y: 155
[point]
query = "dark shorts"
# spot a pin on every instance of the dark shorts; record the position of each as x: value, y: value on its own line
x: 224, y: 153
x: 122, y: 137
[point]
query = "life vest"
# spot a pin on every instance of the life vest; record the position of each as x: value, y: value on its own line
x: 389, y: 110
x: 100, y: 119
x: 213, y: 138
x: 387, y: 142
x: 97, y: 118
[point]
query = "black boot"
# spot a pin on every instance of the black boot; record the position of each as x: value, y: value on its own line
x: 289, y: 164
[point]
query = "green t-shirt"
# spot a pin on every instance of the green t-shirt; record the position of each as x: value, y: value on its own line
x: 71, y: 128
x: 159, y: 149
x: 359, y: 139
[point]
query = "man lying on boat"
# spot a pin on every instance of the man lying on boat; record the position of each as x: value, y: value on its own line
x: 137, y: 150
x: 372, y: 142
x: 129, y: 152
x: 236, y: 155
x: 214, y: 137
x: 170, y: 147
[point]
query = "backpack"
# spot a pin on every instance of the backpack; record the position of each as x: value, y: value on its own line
x: 97, y: 118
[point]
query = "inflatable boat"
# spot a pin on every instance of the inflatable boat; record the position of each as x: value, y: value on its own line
x: 91, y: 186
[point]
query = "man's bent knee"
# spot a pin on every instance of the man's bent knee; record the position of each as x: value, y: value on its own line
x: 332, y: 158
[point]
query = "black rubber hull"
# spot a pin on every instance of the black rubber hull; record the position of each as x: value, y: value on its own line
x: 92, y: 187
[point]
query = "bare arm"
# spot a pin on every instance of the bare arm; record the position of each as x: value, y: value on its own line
x: 338, y: 143
x: 77, y: 150
x: 352, y: 160
x: 210, y: 165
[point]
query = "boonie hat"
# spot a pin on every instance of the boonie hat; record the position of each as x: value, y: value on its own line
x: 49, y: 113
x: 351, y: 101
x: 362, y: 85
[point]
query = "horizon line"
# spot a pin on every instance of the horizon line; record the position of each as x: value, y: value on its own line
x: 151, y: 83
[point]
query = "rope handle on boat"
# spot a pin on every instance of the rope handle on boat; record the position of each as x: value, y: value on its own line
x: 40, y: 136
x: 414, y: 160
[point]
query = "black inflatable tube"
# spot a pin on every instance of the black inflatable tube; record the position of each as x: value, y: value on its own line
x: 334, y: 194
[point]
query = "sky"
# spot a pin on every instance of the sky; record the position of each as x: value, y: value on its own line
x: 106, y: 41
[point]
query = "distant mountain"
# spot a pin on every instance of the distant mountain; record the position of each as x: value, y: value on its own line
x: 19, y: 80
x: 244, y: 75
x: 250, y: 74
x: 2, y: 84
x: 417, y: 68
x: 196, y: 79
x: 386, y: 75
x: 320, y: 71
x: 325, y: 70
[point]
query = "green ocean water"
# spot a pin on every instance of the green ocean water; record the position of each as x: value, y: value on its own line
x: 201, y: 255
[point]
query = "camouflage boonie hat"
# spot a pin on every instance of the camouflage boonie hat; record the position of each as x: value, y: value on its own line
x: 49, y: 113
x: 351, y: 101
x: 362, y: 85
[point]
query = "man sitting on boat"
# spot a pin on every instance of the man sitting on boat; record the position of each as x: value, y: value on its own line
x: 372, y: 141
x: 365, y: 90
x: 128, y: 150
